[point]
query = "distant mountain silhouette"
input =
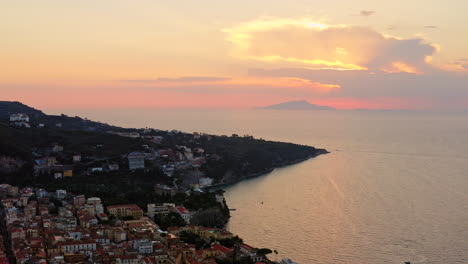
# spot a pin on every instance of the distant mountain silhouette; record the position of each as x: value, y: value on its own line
x: 297, y: 105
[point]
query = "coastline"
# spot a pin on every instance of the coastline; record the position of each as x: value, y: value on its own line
x: 218, y: 186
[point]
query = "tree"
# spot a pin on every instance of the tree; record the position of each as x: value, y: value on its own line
x: 264, y: 251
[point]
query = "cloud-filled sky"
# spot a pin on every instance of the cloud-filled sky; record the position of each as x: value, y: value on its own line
x: 234, y: 54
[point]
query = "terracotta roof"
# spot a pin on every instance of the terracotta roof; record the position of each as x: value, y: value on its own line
x: 132, y: 207
x: 173, y: 228
x: 223, y: 249
x: 77, y: 242
x: 182, y: 210
x: 247, y: 247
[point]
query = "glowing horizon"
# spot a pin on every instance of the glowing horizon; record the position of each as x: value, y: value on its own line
x: 164, y: 55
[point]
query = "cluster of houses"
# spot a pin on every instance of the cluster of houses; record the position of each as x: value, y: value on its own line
x: 20, y: 120
x: 59, y: 163
x: 178, y: 159
x: 60, y: 227
x: 45, y: 162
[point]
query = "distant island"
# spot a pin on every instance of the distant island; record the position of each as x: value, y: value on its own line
x: 297, y: 105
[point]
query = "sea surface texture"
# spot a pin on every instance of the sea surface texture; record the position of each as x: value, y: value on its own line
x: 393, y: 189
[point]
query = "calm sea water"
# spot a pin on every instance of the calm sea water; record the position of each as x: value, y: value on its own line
x: 394, y: 187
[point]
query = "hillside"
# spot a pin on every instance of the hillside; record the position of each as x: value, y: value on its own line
x: 58, y: 121
x: 171, y: 158
x: 7, y: 108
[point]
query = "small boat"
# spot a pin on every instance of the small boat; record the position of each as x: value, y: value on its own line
x: 232, y: 209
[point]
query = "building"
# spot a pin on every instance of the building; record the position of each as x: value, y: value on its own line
x: 113, y: 167
x: 57, y: 148
x: 125, y: 210
x: 58, y: 175
x: 144, y: 246
x: 79, y: 200
x: 61, y: 194
x: 154, y: 210
x: 205, y: 181
x: 94, y: 200
x: 70, y: 257
x: 136, y: 160
x: 19, y: 118
x: 67, y: 172
x: 125, y: 134
x: 97, y: 169
x: 74, y: 246
x: 22, y: 124
x: 161, y: 189
x: 76, y: 158
x: 182, y: 211
x: 96, y: 203
x: 41, y: 193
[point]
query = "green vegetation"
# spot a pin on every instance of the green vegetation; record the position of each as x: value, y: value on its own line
x: 172, y: 219
x: 225, y: 159
x: 191, y: 238
x: 245, y: 156
x: 264, y: 251
x: 231, y: 242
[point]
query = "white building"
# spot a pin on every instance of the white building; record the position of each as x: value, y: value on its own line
x: 188, y: 154
x: 99, y: 209
x: 57, y: 148
x: 76, y: 158
x: 22, y: 124
x: 74, y: 246
x: 136, y: 160
x: 143, y: 246
x: 97, y: 169
x: 97, y: 204
x: 154, y: 210
x: 61, y: 194
x: 41, y: 193
x: 94, y: 200
x: 205, y: 181
x: 19, y: 118
x: 113, y: 167
x: 182, y: 211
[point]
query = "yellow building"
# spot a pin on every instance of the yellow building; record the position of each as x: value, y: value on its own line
x: 125, y: 210
x: 67, y: 173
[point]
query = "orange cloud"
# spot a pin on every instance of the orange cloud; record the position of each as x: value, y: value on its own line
x: 388, y: 103
x: 307, y: 44
x: 264, y: 83
x: 397, y: 66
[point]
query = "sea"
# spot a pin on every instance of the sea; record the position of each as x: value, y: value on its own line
x: 394, y: 187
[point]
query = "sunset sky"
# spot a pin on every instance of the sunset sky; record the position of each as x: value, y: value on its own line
x: 397, y: 54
